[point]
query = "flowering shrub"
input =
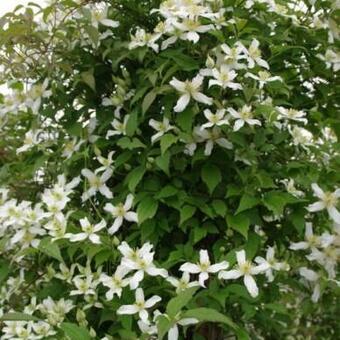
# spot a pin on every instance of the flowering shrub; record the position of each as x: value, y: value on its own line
x: 169, y: 169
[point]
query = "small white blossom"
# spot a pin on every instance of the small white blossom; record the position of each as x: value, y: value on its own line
x: 120, y: 213
x: 89, y: 231
x: 161, y: 128
x: 203, y: 267
x: 247, y: 270
x: 245, y: 116
x: 140, y: 306
x: 327, y: 200
x: 189, y: 89
x: 97, y: 183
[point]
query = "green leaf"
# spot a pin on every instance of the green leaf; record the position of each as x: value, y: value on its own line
x: 75, y: 332
x: 18, y: 317
x: 209, y: 315
x: 50, y: 248
x: 276, y: 201
x: 88, y: 78
x: 240, y: 223
x: 166, y: 141
x: 147, y: 209
x: 134, y: 177
x: 163, y: 326
x: 185, y: 62
x: 4, y: 270
x: 219, y: 207
x: 132, y: 124
x: 167, y: 191
x: 148, y: 100
x: 247, y: 202
x: 163, y: 162
x: 199, y: 234
x: 176, y: 304
x: 211, y: 176
x: 186, y: 212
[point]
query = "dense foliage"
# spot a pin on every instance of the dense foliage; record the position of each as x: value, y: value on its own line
x: 170, y: 170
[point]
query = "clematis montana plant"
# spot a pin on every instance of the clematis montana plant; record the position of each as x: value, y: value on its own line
x: 170, y: 169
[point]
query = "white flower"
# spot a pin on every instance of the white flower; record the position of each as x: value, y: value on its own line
x: 290, y: 187
x: 217, y: 118
x: 291, y: 114
x: 327, y: 200
x: 71, y: 147
x: 272, y: 263
x: 243, y: 116
x: 105, y: 162
x: 85, y: 286
x: 233, y: 55
x: 301, y: 136
x: 142, y: 38
x: 332, y: 59
x: 263, y: 78
x: 116, y: 282
x: 204, y: 267
x: 211, y: 137
x: 182, y: 283
x: 160, y: 127
x: 311, y: 239
x: 254, y: 55
x: 327, y: 257
x: 224, y: 78
x: 191, y: 28
x: 120, y: 213
x: 89, y: 231
x: 35, y: 95
x: 312, y: 277
x: 143, y: 264
x: 247, y: 270
x: 119, y: 127
x: 99, y: 16
x: 31, y: 139
x: 189, y: 89
x: 97, y: 183
x: 140, y: 306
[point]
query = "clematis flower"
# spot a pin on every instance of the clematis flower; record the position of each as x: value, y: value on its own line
x: 189, y: 89
x: 142, y: 264
x: 254, y: 55
x: 327, y: 200
x: 212, y: 137
x: 160, y: 127
x: 291, y: 114
x: 142, y: 38
x: 191, y: 28
x: 120, y: 213
x: 140, y: 306
x: 31, y: 139
x: 97, y: 183
x: 247, y: 270
x: 99, y: 16
x: 182, y: 283
x: 116, y: 282
x: 313, y: 278
x: 84, y: 286
x: 272, y: 263
x: 119, y: 128
x: 263, y: 78
x: 311, y: 240
x: 224, y: 78
x: 217, y: 118
x: 203, y: 267
x: 105, y: 162
x: 89, y: 231
x: 242, y: 117
x: 232, y: 55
